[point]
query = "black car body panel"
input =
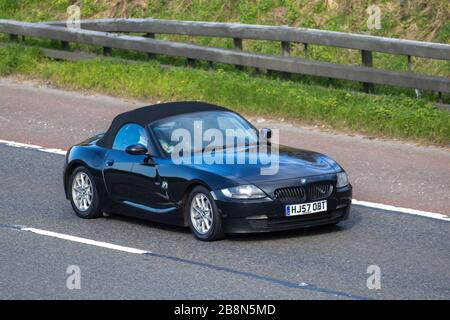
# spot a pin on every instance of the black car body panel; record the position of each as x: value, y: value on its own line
x: 154, y: 188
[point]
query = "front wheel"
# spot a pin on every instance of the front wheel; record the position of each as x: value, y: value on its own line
x: 204, y: 219
x: 83, y: 194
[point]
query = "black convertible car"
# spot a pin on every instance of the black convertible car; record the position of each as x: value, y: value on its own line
x: 131, y: 170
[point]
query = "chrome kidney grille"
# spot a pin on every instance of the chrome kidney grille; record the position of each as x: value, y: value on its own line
x: 290, y: 194
x: 312, y: 192
x: 319, y: 191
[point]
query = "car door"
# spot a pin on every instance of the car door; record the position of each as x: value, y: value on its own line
x: 150, y: 190
x: 122, y: 184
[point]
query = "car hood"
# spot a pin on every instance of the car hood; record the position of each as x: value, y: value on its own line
x: 293, y: 163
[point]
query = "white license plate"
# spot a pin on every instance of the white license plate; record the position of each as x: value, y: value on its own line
x: 306, y: 208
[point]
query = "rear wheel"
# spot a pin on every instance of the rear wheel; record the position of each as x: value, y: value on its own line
x: 83, y: 194
x: 204, y: 219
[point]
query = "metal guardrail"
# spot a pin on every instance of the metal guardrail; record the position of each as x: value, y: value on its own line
x: 93, y: 34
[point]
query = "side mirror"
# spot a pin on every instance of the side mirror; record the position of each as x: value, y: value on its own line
x: 136, y: 149
x: 266, y: 133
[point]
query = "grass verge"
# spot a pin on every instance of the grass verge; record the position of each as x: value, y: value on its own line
x: 381, y: 115
x: 421, y: 20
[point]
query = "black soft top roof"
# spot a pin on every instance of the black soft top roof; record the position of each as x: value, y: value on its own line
x: 148, y: 114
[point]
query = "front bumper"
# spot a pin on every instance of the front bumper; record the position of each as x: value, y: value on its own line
x: 268, y: 215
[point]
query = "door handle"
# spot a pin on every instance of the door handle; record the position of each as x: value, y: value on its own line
x: 109, y: 162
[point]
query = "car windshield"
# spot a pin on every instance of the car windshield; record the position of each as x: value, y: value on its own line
x: 217, y: 129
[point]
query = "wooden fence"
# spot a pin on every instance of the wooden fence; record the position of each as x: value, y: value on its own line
x: 112, y: 33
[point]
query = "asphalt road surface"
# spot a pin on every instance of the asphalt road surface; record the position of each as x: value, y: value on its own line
x: 412, y: 252
x: 322, y: 263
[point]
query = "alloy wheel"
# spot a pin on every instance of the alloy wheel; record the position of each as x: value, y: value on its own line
x: 82, y: 191
x: 201, y: 213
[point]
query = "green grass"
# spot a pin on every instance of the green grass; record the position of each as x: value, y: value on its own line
x: 381, y: 115
x: 420, y: 20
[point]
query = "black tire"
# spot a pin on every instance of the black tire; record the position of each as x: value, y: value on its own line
x: 94, y: 210
x: 216, y: 230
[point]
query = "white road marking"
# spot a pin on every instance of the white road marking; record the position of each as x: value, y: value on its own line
x: 32, y: 146
x: 387, y: 207
x: 432, y: 215
x: 85, y: 241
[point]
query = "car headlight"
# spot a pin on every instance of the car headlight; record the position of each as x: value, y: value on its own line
x: 342, y: 180
x: 243, y: 192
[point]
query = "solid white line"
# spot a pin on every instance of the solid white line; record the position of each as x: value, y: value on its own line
x: 386, y: 207
x: 85, y: 241
x: 32, y: 146
x: 432, y: 215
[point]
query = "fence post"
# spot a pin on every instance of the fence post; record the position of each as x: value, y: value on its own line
x: 65, y: 45
x: 150, y: 36
x: 14, y: 37
x: 107, y: 51
x: 410, y: 63
x: 238, y: 45
x: 191, y: 63
x: 305, y: 50
x: 410, y: 69
x: 286, y: 52
x: 367, y: 61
